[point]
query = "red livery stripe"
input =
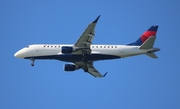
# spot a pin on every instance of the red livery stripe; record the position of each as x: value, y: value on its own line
x: 147, y: 34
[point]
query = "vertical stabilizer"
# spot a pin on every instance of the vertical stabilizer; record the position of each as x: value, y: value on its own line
x: 147, y: 34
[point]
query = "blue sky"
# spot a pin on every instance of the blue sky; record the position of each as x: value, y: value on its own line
x: 132, y: 83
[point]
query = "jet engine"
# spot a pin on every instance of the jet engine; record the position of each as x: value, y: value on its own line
x: 67, y: 49
x: 70, y: 67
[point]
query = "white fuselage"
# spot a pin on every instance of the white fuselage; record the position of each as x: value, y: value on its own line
x: 98, y: 52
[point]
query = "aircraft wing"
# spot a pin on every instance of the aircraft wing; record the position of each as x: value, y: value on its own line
x: 85, y: 40
x: 91, y: 69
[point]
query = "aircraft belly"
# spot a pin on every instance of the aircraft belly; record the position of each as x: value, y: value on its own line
x: 91, y: 57
x: 76, y: 58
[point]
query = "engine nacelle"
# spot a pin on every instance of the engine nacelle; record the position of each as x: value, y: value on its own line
x: 67, y: 49
x: 70, y: 67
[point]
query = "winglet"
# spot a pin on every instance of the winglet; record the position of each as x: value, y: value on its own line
x: 105, y: 74
x: 95, y: 21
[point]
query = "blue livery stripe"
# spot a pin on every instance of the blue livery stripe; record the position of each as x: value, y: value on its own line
x: 153, y: 28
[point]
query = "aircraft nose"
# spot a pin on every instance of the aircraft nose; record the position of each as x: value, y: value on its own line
x: 19, y: 54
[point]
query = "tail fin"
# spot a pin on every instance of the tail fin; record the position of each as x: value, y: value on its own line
x: 149, y: 33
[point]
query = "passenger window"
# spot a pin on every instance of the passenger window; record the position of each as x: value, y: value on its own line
x: 104, y: 46
x: 96, y: 46
x: 27, y: 46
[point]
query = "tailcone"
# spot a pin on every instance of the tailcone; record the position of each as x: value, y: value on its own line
x: 153, y: 50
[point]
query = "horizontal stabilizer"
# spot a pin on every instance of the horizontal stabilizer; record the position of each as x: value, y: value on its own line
x: 148, y: 43
x: 152, y: 55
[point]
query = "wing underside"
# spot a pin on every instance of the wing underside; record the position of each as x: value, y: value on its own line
x: 90, y: 69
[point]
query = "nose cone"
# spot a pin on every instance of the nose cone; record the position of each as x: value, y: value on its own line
x: 19, y: 54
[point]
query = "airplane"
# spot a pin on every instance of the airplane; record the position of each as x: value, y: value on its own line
x: 83, y: 53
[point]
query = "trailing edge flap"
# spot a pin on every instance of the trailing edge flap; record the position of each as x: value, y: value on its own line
x: 148, y: 43
x: 152, y: 55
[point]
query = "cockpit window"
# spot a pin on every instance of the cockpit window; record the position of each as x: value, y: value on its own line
x: 27, y: 46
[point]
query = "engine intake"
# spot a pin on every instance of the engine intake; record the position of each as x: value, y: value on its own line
x: 70, y: 67
x: 66, y: 49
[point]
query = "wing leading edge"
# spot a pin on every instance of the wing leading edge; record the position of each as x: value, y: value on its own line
x: 85, y: 40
